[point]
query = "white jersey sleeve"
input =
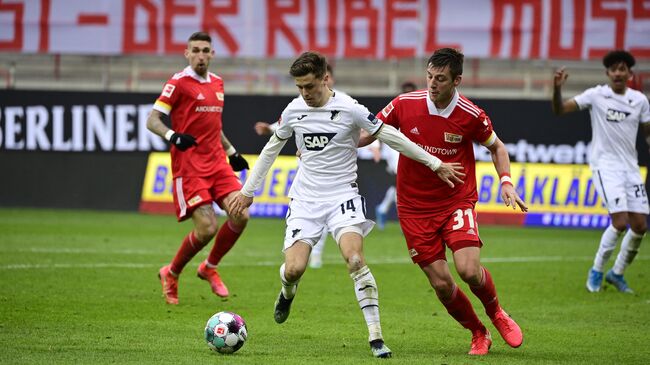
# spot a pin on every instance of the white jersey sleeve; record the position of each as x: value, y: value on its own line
x: 364, y: 119
x: 585, y: 99
x: 283, y: 128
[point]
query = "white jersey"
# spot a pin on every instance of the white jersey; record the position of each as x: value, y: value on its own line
x: 327, y: 139
x: 615, y: 122
x: 274, y: 126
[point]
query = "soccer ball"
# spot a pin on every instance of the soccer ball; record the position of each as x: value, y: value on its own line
x: 225, y: 332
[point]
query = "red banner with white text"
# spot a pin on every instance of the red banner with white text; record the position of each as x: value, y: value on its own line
x: 370, y: 29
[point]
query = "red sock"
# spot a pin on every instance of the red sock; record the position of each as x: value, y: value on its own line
x: 459, y: 307
x: 226, y: 238
x: 487, y: 293
x: 189, y: 248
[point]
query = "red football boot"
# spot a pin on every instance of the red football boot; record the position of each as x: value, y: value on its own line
x: 481, y: 342
x: 169, y: 285
x: 212, y: 276
x: 508, y: 328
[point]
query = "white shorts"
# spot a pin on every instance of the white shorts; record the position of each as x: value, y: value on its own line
x: 306, y: 220
x: 621, y: 191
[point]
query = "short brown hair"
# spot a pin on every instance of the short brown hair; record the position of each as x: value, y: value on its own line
x: 200, y: 36
x: 309, y: 62
x: 447, y: 57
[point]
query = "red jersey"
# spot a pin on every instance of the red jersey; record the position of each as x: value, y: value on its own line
x: 446, y: 134
x: 195, y: 105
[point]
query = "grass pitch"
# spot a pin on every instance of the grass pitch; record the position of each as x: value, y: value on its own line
x: 79, y: 287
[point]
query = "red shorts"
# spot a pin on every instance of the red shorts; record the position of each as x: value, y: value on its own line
x: 426, y: 238
x: 192, y: 192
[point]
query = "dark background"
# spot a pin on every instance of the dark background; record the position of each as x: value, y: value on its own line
x: 113, y: 180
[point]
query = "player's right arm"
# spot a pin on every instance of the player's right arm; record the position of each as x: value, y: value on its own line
x: 155, y: 123
x: 561, y: 106
x: 163, y: 105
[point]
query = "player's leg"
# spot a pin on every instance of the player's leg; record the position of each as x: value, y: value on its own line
x: 457, y: 304
x: 316, y: 257
x: 191, y: 199
x: 462, y: 237
x: 205, y: 226
x: 637, y: 207
x: 349, y: 224
x: 605, y: 248
x: 225, y: 239
x: 305, y: 225
x: 350, y: 241
x: 611, y: 188
x: 295, y: 263
x: 480, y: 282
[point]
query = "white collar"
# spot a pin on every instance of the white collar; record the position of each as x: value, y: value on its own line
x: 190, y: 71
x: 447, y: 111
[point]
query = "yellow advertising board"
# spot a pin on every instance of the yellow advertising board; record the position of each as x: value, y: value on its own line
x: 550, y: 190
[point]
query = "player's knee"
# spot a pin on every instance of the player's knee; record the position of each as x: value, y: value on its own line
x: 639, y: 228
x: 241, y: 220
x: 470, y: 275
x: 293, y: 272
x: 206, y: 230
x: 355, y: 262
x: 443, y: 289
x: 620, y: 223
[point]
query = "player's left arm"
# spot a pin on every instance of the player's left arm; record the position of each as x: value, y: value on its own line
x: 237, y: 161
x: 501, y: 162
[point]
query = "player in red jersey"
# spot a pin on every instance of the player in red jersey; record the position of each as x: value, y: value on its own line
x: 433, y: 215
x: 194, y: 99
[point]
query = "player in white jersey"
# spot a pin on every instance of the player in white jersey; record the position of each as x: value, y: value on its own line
x: 266, y: 129
x: 324, y: 194
x: 616, y: 112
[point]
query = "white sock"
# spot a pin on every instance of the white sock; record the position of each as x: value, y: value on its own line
x: 629, y: 249
x: 607, y: 246
x: 365, y: 288
x: 289, y: 288
x: 388, y: 201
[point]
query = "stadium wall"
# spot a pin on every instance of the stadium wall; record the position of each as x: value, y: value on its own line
x: 90, y: 149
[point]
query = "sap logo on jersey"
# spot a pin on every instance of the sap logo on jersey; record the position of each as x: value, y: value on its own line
x: 616, y: 116
x: 317, y: 141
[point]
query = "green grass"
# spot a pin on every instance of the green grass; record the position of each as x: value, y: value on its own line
x: 79, y: 287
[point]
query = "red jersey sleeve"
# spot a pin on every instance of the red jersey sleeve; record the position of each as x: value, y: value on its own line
x: 388, y: 115
x: 168, y: 97
x: 482, y: 131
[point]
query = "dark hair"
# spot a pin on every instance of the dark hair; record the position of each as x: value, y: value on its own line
x: 309, y: 62
x: 408, y: 86
x: 615, y: 57
x: 447, y: 57
x: 200, y: 36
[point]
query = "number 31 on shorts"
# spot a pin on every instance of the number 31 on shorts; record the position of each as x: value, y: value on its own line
x: 459, y: 221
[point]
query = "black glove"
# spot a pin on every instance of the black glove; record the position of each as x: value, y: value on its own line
x: 238, y: 162
x: 182, y: 141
